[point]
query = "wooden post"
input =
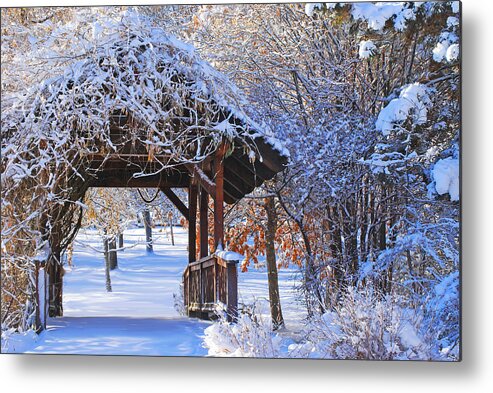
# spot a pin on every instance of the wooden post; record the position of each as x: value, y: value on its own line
x: 232, y: 291
x: 192, y: 222
x: 201, y: 287
x: 204, y: 228
x: 218, y: 201
x: 216, y: 278
x: 188, y: 291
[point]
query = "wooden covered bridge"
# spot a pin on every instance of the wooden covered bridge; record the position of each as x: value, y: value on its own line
x: 145, y: 111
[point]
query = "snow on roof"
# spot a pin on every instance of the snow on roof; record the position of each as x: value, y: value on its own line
x: 145, y: 72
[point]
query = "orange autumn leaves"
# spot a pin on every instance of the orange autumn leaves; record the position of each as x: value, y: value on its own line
x: 245, y: 228
x: 246, y: 232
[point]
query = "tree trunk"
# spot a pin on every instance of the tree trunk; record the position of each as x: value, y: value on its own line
x: 382, y: 246
x: 107, y: 264
x: 311, y: 284
x: 148, y: 229
x: 70, y: 253
x: 334, y: 274
x: 170, y: 217
x: 274, y: 298
x: 55, y: 283
x: 113, y: 257
x: 120, y: 240
x: 39, y: 326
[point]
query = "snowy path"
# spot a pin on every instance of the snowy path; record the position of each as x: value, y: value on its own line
x: 138, y: 317
x: 123, y: 336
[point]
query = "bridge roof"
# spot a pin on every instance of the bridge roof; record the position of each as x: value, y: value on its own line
x: 139, y: 110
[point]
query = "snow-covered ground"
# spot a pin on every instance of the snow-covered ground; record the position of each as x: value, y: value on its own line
x: 138, y: 317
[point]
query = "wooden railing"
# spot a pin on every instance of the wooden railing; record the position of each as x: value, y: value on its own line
x: 209, y: 282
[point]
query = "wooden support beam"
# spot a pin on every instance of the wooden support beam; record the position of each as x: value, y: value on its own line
x: 231, y: 193
x: 219, y: 200
x: 176, y: 201
x: 192, y: 222
x: 204, y: 223
x: 123, y: 178
x: 202, y: 178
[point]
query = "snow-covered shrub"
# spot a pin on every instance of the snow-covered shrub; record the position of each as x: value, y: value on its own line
x: 413, y: 103
x: 179, y: 301
x: 443, y: 317
x: 445, y: 175
x: 431, y: 251
x: 377, y: 14
x: 310, y: 8
x: 366, y: 49
x: 447, y: 48
x: 17, y: 342
x: 250, y: 336
x: 364, y: 325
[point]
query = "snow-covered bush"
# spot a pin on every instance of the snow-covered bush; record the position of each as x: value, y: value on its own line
x: 310, y: 8
x: 377, y: 14
x: 366, y: 49
x: 447, y: 48
x: 179, y: 301
x: 443, y: 317
x: 445, y: 175
x: 250, y: 336
x: 413, y: 103
x: 364, y: 325
x: 17, y: 342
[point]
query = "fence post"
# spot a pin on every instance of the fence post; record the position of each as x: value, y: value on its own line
x: 232, y: 290
x: 186, y: 290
